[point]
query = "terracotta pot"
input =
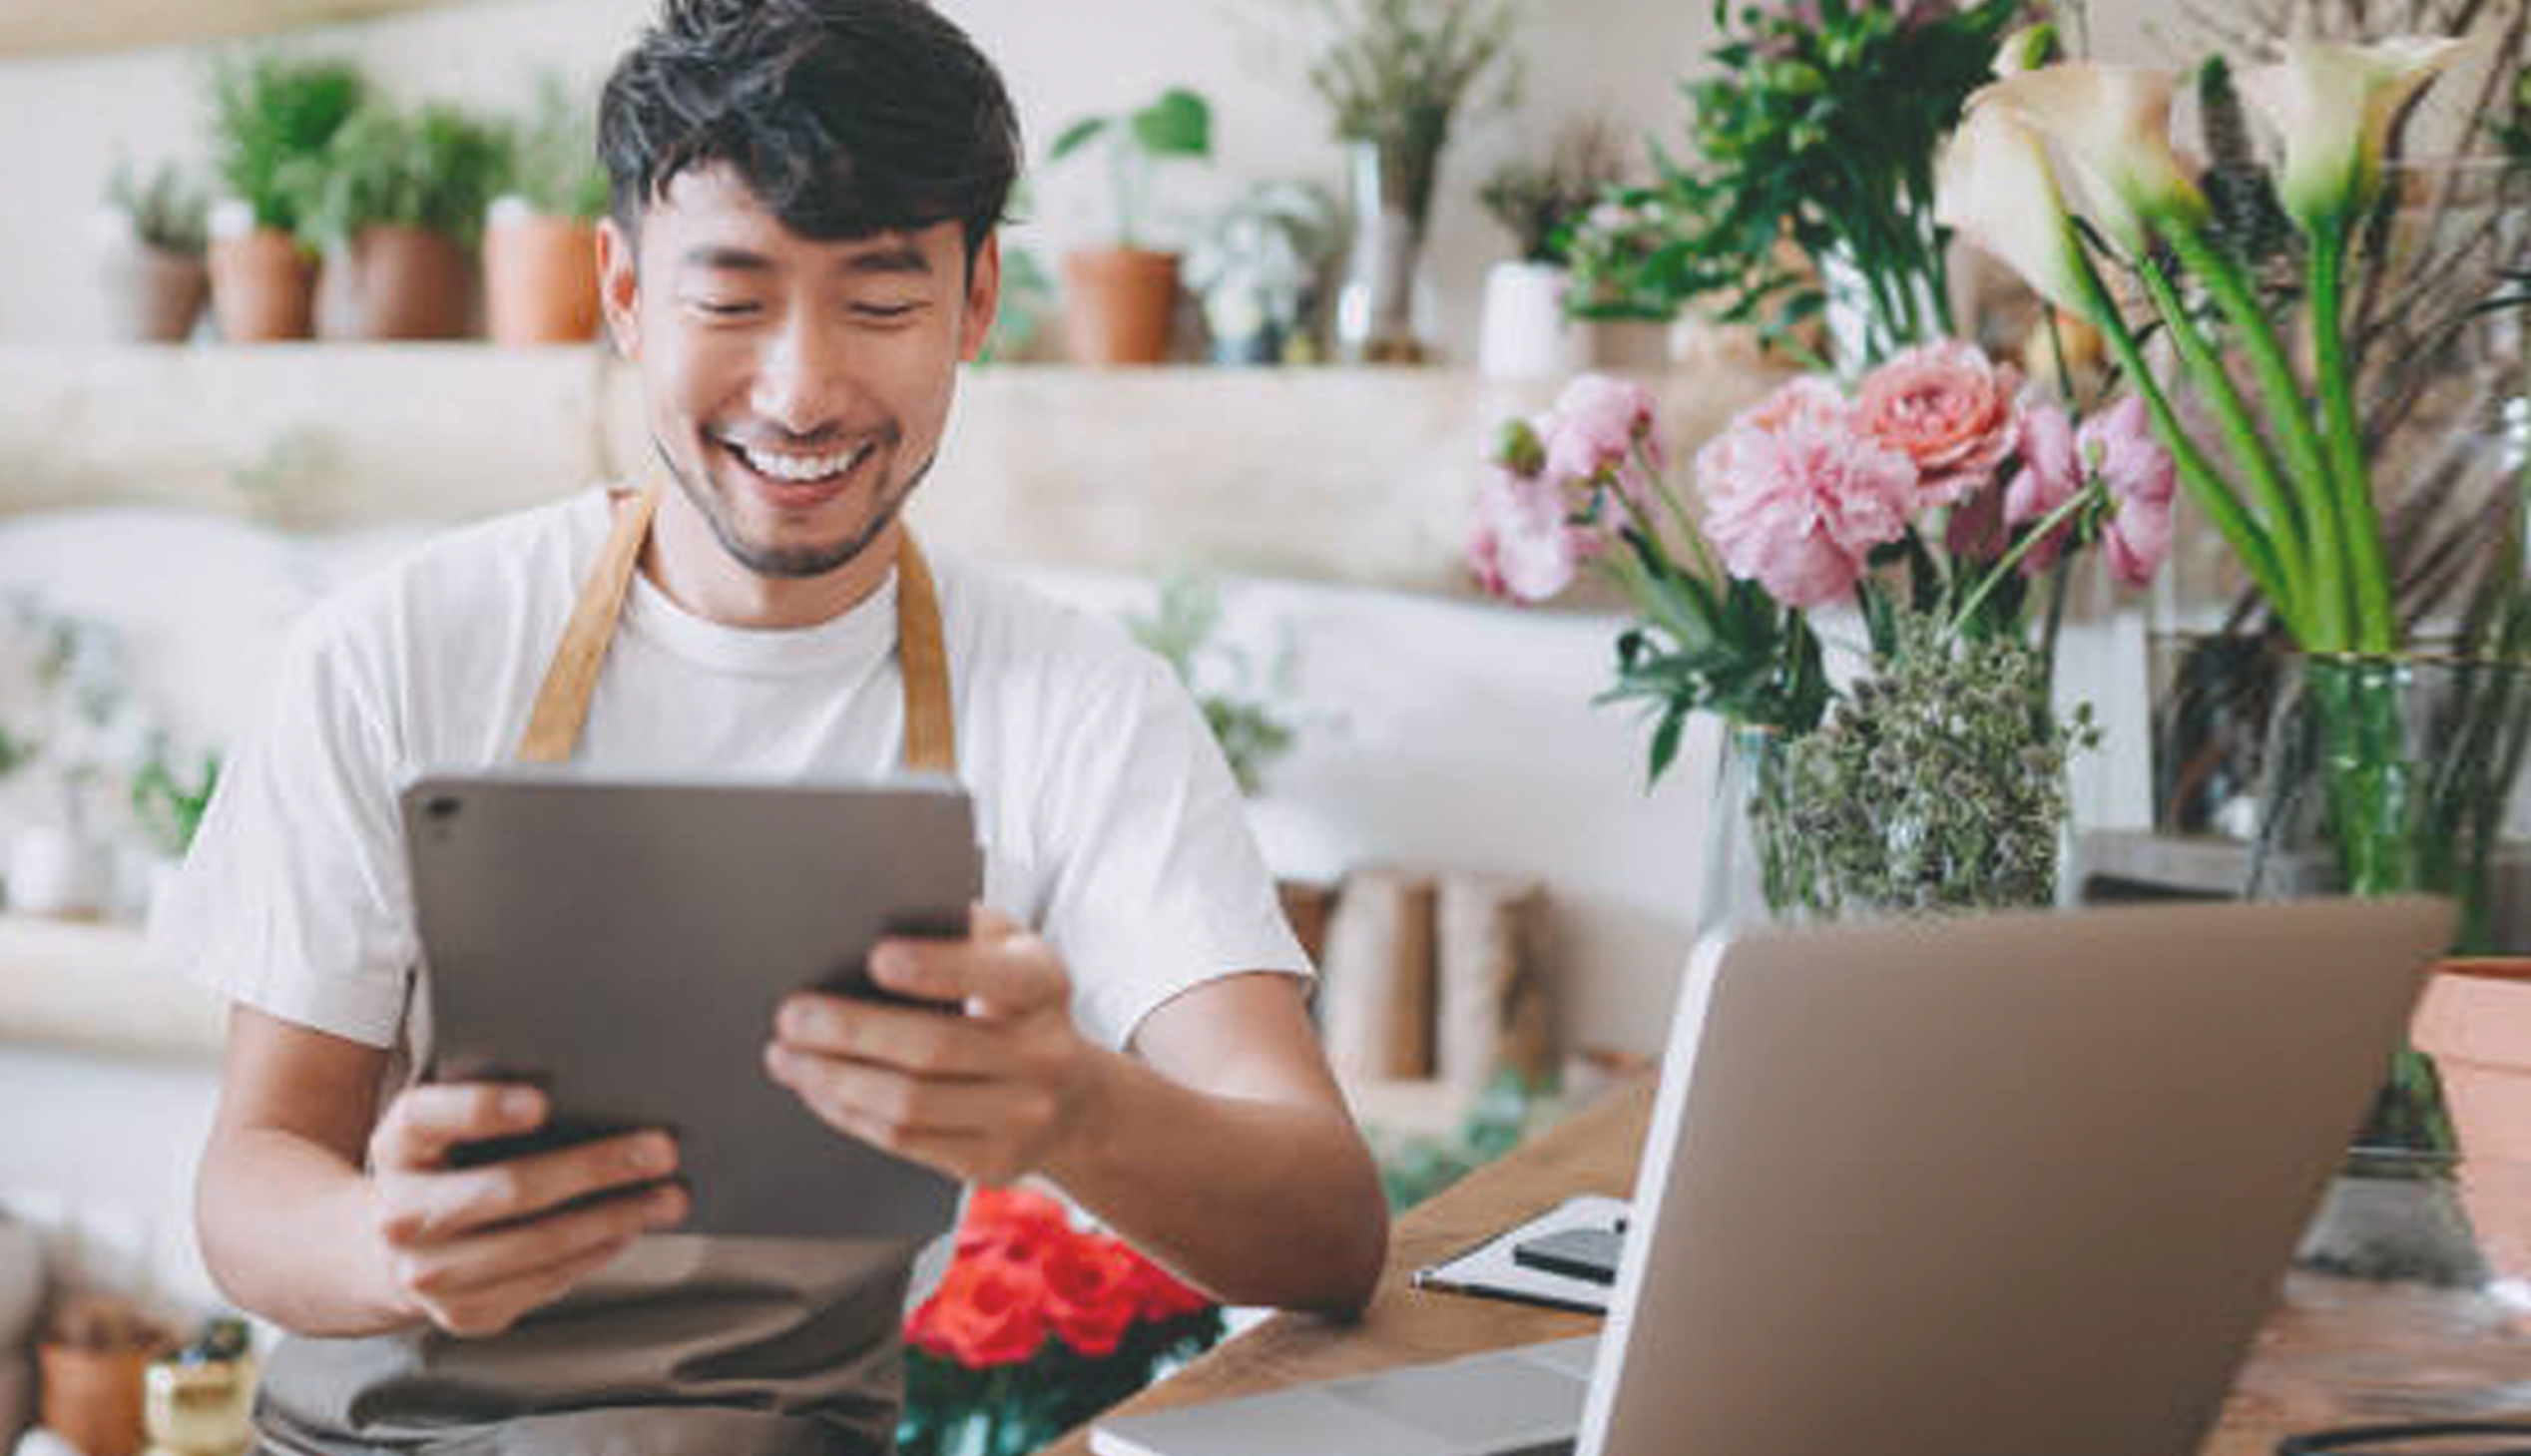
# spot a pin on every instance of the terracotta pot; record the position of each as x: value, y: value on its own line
x: 540, y: 279
x: 1118, y: 304
x: 262, y: 287
x: 396, y: 283
x: 2475, y: 1022
x: 94, y: 1399
x: 152, y: 295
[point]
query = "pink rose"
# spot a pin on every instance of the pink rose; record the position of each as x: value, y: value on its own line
x: 1798, y: 508
x: 2119, y: 450
x: 1948, y: 408
x: 2050, y: 475
x: 1522, y: 547
x: 1592, y: 432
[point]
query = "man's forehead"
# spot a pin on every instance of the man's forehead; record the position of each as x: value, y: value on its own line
x: 707, y: 217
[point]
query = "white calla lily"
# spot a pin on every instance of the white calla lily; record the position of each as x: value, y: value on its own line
x: 2114, y: 124
x: 2335, y: 105
x: 2025, y: 50
x: 1996, y: 188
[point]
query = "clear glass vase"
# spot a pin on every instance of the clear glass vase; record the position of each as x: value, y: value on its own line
x: 1377, y: 309
x: 1746, y: 878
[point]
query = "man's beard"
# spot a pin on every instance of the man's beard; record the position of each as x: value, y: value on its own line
x: 787, y: 563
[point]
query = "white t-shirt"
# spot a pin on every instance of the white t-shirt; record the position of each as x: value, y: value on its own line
x: 1109, y: 821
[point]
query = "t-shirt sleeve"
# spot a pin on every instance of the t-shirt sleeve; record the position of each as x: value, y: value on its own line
x: 293, y: 899
x: 1157, y: 885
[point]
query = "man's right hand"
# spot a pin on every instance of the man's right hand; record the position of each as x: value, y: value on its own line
x: 474, y: 1249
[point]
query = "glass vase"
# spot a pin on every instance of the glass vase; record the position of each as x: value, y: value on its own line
x: 1746, y: 877
x: 1391, y: 187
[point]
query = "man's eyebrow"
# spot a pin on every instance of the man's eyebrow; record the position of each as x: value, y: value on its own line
x: 721, y: 257
x: 901, y: 258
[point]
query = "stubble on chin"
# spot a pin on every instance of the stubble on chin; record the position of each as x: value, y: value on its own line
x: 785, y: 563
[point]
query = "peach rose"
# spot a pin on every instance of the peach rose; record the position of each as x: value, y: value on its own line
x: 1948, y: 408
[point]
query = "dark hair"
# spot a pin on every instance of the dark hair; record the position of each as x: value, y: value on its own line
x: 844, y: 117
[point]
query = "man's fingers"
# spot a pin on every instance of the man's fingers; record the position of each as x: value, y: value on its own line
x: 902, y: 1100
x: 963, y: 1154
x: 437, y: 1207
x: 1002, y: 974
x: 531, y: 1251
x: 894, y: 1036
x: 425, y: 1121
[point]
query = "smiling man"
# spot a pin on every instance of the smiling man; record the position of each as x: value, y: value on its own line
x: 800, y: 256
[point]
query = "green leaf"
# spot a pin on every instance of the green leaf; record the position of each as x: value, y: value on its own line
x: 1077, y: 136
x: 1177, y: 125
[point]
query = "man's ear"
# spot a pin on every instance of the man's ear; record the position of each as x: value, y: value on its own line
x: 984, y: 296
x: 619, y: 287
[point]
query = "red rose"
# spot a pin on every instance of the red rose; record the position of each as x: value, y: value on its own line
x: 987, y: 1312
x: 1092, y: 1293
x: 1160, y: 1295
x: 1016, y: 1223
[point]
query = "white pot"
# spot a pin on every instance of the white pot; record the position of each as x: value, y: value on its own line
x: 1525, y: 335
x: 57, y: 872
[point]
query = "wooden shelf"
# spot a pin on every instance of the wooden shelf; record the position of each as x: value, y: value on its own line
x: 50, y: 27
x: 87, y: 987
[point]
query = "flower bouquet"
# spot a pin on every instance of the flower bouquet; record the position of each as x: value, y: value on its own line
x: 1940, y: 499
x: 1036, y: 1328
x: 2399, y: 761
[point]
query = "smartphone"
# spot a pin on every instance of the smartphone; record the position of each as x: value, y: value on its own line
x: 1579, y: 1254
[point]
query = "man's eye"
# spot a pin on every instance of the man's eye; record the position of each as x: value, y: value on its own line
x: 723, y: 308
x: 885, y: 312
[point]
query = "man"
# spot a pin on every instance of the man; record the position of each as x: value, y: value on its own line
x: 800, y: 253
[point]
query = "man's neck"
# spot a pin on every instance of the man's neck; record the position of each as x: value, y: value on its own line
x: 686, y: 560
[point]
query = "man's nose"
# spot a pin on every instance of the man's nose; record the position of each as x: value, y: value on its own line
x: 802, y: 378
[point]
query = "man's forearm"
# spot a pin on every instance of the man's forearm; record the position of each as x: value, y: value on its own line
x: 286, y: 1228
x: 1260, y: 1203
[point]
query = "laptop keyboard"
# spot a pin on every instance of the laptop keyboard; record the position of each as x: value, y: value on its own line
x: 1513, y: 1406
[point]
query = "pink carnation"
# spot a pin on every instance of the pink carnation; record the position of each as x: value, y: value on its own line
x: 1948, y: 408
x: 1799, y: 507
x: 2118, y: 449
x: 1592, y: 430
x: 2050, y: 475
x: 1522, y: 547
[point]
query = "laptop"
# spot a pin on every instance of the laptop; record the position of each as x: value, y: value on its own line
x: 2006, y: 1186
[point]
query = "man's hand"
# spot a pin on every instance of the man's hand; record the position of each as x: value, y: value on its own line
x: 987, y: 1096
x: 474, y: 1249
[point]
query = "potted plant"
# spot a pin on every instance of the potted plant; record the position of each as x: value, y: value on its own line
x: 540, y: 240
x: 1118, y: 300
x: 1394, y: 74
x: 169, y: 802
x: 1258, y: 266
x: 150, y: 254
x: 1525, y: 333
x: 93, y: 1361
x: 269, y: 114
x: 397, y: 200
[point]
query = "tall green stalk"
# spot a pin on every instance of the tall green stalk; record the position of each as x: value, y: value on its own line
x: 2368, y: 560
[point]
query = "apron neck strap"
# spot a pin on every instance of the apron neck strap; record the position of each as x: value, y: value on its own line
x: 571, y: 677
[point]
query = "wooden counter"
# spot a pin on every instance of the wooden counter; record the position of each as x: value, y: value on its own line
x: 2336, y: 1352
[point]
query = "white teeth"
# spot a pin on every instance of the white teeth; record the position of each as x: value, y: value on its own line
x: 800, y: 467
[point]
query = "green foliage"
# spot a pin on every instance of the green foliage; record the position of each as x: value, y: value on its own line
x: 1507, y: 1111
x: 1823, y: 128
x: 1395, y: 73
x: 436, y: 168
x: 271, y: 116
x: 1185, y: 631
x: 2516, y: 132
x: 951, y: 1411
x: 170, y: 803
x: 1175, y: 125
x: 1939, y: 784
x: 553, y: 155
x: 166, y: 206
x: 1539, y: 202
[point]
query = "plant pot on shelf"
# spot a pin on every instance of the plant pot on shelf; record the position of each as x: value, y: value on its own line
x: 1118, y: 304
x: 540, y: 276
x: 262, y: 287
x: 1525, y: 333
x: 2475, y: 1022
x: 151, y: 294
x: 396, y: 282
x: 95, y: 1397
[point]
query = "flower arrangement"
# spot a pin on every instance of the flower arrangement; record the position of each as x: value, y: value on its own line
x: 1394, y: 73
x: 1820, y: 126
x: 1944, y: 502
x: 1036, y: 1328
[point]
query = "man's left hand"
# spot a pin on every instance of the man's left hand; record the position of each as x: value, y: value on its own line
x: 988, y: 1095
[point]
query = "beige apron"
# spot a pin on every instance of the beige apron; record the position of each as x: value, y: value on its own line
x: 686, y: 1346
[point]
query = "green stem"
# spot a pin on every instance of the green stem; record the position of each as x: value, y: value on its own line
x: 2360, y: 525
x: 2072, y: 506
x: 2205, y: 486
x: 2232, y: 413
x: 2331, y: 607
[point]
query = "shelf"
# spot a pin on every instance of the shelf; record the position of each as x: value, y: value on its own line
x: 87, y: 987
x: 37, y: 29
x: 1361, y: 476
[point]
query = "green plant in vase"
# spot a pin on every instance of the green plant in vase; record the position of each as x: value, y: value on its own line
x: 398, y: 197
x: 1119, y: 300
x: 2403, y: 760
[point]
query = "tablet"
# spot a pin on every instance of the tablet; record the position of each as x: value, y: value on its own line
x: 624, y: 945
